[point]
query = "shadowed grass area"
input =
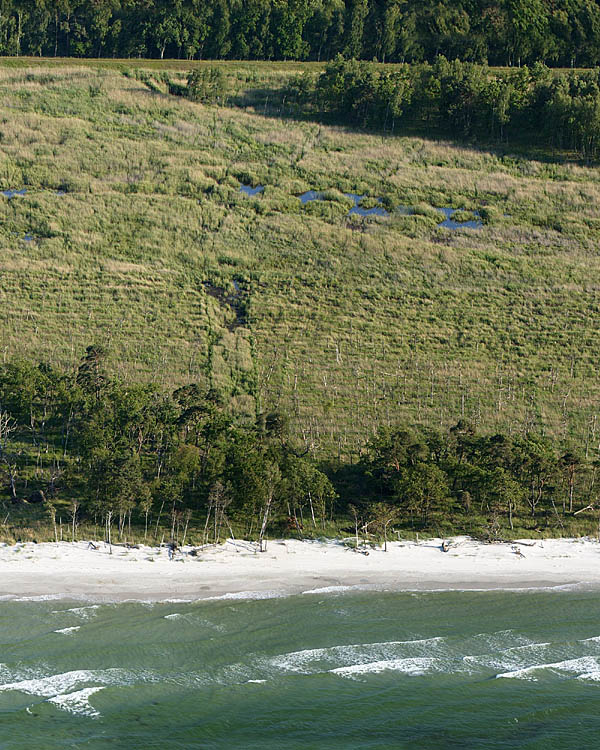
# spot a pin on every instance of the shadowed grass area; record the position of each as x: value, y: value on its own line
x: 139, y: 231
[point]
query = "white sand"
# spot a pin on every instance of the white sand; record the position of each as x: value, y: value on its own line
x: 236, y: 569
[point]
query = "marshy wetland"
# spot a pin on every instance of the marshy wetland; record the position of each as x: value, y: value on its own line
x: 339, y: 292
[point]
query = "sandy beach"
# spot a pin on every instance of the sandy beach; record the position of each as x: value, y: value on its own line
x: 235, y: 569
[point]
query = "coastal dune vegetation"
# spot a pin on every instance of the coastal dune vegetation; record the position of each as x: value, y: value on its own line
x: 100, y: 453
x: 178, y: 353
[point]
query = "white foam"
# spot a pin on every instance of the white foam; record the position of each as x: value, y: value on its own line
x: 413, y: 667
x: 509, y: 659
x: 68, y: 631
x: 247, y: 595
x: 64, y: 682
x: 257, y: 682
x: 40, y: 598
x: 78, y: 702
x: 301, y: 661
x: 593, y: 675
x: 83, y: 612
x: 502, y: 640
x: 527, y: 646
x: 587, y: 666
x: 17, y: 672
x: 572, y: 586
x: 5, y: 672
x: 174, y: 616
x: 331, y: 589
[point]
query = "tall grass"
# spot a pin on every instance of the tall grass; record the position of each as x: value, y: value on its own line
x: 347, y: 323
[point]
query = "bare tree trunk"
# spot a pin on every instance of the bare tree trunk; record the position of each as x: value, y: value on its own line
x: 215, y: 514
x: 109, y: 516
x: 571, y: 486
x: 185, y: 530
x: 158, y: 519
x: 13, y: 482
x: 265, y: 520
x: 205, y: 535
x: 74, y: 509
x: 312, y: 510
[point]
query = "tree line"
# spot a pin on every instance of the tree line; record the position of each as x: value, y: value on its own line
x: 123, y: 453
x: 117, y: 451
x: 461, y: 99
x: 500, y: 32
x: 441, y: 479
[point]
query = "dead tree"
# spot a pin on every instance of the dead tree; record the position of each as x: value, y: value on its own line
x: 73, y: 513
x: 271, y: 481
x: 7, y: 426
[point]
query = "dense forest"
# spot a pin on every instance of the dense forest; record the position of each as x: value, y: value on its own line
x: 90, y: 447
x: 500, y: 32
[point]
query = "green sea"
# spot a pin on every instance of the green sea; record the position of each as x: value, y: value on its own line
x: 326, y: 669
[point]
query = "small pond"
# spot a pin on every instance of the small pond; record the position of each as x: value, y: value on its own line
x: 450, y: 223
x: 310, y: 195
x: 360, y: 211
x: 23, y: 191
x: 249, y: 190
x: 316, y: 195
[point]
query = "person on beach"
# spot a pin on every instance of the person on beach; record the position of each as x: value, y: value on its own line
x: 171, y: 547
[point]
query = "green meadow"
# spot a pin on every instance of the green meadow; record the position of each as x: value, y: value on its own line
x: 133, y: 234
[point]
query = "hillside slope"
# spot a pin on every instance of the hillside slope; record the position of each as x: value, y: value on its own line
x: 133, y: 233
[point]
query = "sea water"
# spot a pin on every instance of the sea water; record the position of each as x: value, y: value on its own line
x: 326, y: 669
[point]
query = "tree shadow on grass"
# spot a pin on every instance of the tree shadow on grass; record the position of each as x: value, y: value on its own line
x: 271, y: 102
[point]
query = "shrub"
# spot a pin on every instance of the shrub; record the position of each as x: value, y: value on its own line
x: 208, y: 86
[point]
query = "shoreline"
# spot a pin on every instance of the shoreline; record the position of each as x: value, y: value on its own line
x: 234, y: 570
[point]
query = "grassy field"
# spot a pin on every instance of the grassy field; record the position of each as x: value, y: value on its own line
x: 133, y: 233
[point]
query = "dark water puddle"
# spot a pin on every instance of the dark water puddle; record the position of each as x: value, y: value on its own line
x: 359, y: 210
x: 354, y: 197
x: 311, y: 195
x: 23, y: 191
x: 375, y: 211
x: 450, y: 223
x: 249, y: 190
x: 316, y: 195
x: 378, y: 210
